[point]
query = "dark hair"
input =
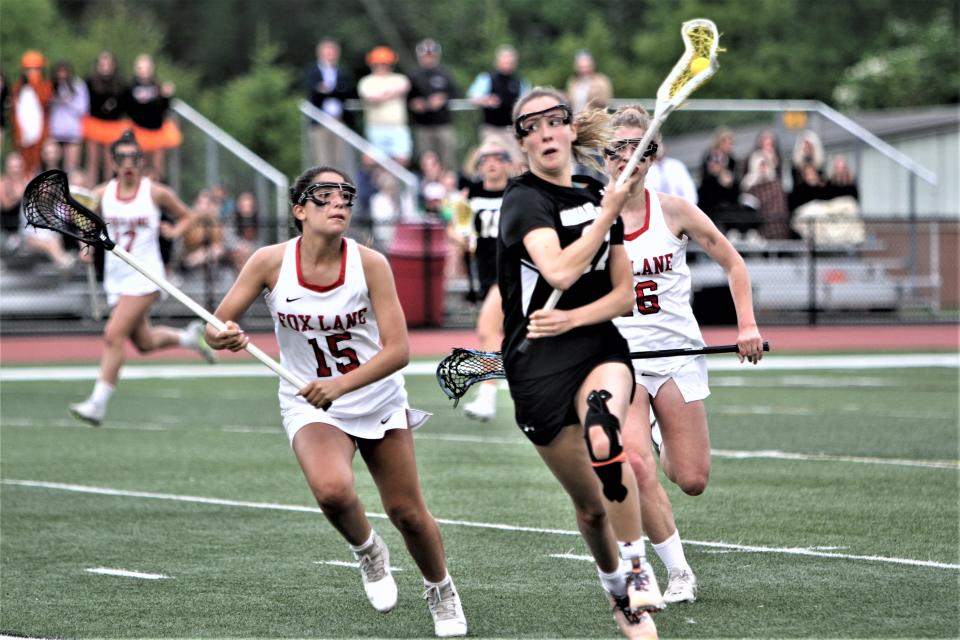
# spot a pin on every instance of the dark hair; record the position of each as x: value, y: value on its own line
x: 127, y: 137
x: 305, y: 179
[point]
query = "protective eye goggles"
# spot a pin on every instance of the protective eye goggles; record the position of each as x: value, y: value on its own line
x: 617, y: 149
x: 119, y: 157
x: 503, y: 156
x: 320, y: 193
x: 554, y: 116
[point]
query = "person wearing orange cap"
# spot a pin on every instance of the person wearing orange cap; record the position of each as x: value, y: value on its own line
x: 29, y: 118
x: 384, y: 95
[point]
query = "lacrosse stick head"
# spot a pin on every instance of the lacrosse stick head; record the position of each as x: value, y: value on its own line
x: 701, y: 40
x: 47, y: 204
x: 465, y: 367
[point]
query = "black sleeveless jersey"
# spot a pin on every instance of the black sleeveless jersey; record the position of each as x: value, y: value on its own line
x: 486, y: 222
x: 530, y: 203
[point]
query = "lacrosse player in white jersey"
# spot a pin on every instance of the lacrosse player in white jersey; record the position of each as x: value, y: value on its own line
x: 656, y: 229
x: 339, y: 324
x: 130, y: 203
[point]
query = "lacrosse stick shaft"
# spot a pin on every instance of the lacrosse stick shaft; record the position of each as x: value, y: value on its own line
x: 208, y: 317
x: 96, y: 311
x: 702, y: 351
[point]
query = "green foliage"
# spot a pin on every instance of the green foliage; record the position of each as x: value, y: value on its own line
x: 921, y: 69
x: 259, y: 109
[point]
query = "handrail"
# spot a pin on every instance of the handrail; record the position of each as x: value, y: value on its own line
x: 360, y: 143
x: 244, y: 154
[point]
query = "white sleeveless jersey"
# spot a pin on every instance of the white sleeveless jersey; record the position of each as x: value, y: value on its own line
x: 134, y: 224
x: 662, y: 316
x: 327, y: 331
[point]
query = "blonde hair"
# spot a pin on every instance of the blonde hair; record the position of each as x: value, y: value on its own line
x: 634, y: 115
x: 488, y: 145
x: 594, y: 132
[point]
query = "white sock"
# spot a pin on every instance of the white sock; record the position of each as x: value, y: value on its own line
x: 101, y: 393
x: 671, y: 553
x: 429, y: 585
x: 487, y: 390
x: 614, y: 583
x: 188, y: 339
x: 365, y: 544
x: 633, y: 549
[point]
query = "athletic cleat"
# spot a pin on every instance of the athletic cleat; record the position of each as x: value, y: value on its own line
x: 193, y: 339
x: 89, y: 411
x: 681, y: 587
x: 633, y: 624
x: 446, y: 610
x: 378, y: 582
x: 484, y: 406
x: 642, y: 590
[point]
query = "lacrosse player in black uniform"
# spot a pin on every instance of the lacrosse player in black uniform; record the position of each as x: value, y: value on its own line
x: 573, y: 384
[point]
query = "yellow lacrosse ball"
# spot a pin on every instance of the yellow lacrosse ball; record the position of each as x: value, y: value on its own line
x: 699, y: 64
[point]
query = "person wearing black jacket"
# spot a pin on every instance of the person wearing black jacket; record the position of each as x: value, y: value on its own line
x: 431, y: 88
x: 328, y: 86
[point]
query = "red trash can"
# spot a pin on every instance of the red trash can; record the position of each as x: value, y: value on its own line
x: 417, y: 254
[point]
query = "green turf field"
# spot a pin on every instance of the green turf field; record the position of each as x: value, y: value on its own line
x: 832, y: 512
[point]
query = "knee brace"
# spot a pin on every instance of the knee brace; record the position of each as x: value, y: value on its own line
x: 607, y: 469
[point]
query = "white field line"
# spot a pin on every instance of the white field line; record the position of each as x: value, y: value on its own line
x: 423, y: 368
x: 760, y: 454
x: 58, y: 486
x: 124, y: 573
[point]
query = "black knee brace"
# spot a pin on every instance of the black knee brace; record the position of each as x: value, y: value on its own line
x: 607, y: 469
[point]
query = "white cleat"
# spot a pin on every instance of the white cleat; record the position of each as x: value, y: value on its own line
x: 484, y: 406
x: 194, y: 340
x: 446, y: 610
x: 681, y: 587
x: 378, y: 582
x: 633, y: 624
x: 89, y: 411
x: 642, y: 590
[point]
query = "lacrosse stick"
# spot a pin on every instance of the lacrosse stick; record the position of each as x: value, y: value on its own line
x: 465, y: 367
x: 47, y: 204
x: 86, y: 198
x: 701, y: 42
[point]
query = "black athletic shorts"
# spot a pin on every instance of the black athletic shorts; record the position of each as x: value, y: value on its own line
x: 545, y: 405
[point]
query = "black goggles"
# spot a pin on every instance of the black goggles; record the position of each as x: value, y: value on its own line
x: 616, y: 149
x: 319, y: 193
x: 529, y: 122
x: 119, y: 157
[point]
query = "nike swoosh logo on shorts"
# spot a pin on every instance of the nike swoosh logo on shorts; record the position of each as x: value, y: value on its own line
x: 385, y: 420
x: 293, y: 299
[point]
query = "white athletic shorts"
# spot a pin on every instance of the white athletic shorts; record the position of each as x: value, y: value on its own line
x: 691, y: 379
x: 369, y: 427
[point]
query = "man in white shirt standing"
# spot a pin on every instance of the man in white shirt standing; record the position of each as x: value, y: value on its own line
x: 669, y: 175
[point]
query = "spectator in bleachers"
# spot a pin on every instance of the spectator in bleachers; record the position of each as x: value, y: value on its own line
x: 496, y: 91
x: 809, y: 185
x: 763, y: 192
x: 431, y: 88
x: 840, y: 179
x: 384, y: 94
x: 768, y: 144
x: 430, y: 171
x: 105, y: 121
x: 243, y: 237
x: 587, y: 87
x: 69, y: 104
x: 202, y: 241
x: 147, y: 102
x: 51, y: 155
x: 30, y: 109
x: 388, y: 206
x: 12, y: 183
x: 4, y: 99
x: 719, y: 192
x: 807, y: 151
x: 669, y: 175
x: 328, y: 86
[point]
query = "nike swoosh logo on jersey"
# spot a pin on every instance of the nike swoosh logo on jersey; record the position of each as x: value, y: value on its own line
x: 384, y: 421
x: 293, y: 299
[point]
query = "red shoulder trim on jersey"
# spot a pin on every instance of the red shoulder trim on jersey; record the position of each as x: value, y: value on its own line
x: 327, y: 287
x: 135, y: 192
x: 633, y: 235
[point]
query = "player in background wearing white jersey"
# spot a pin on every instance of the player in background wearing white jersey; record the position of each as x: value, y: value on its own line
x: 656, y: 229
x: 131, y: 203
x: 493, y: 162
x: 339, y: 325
